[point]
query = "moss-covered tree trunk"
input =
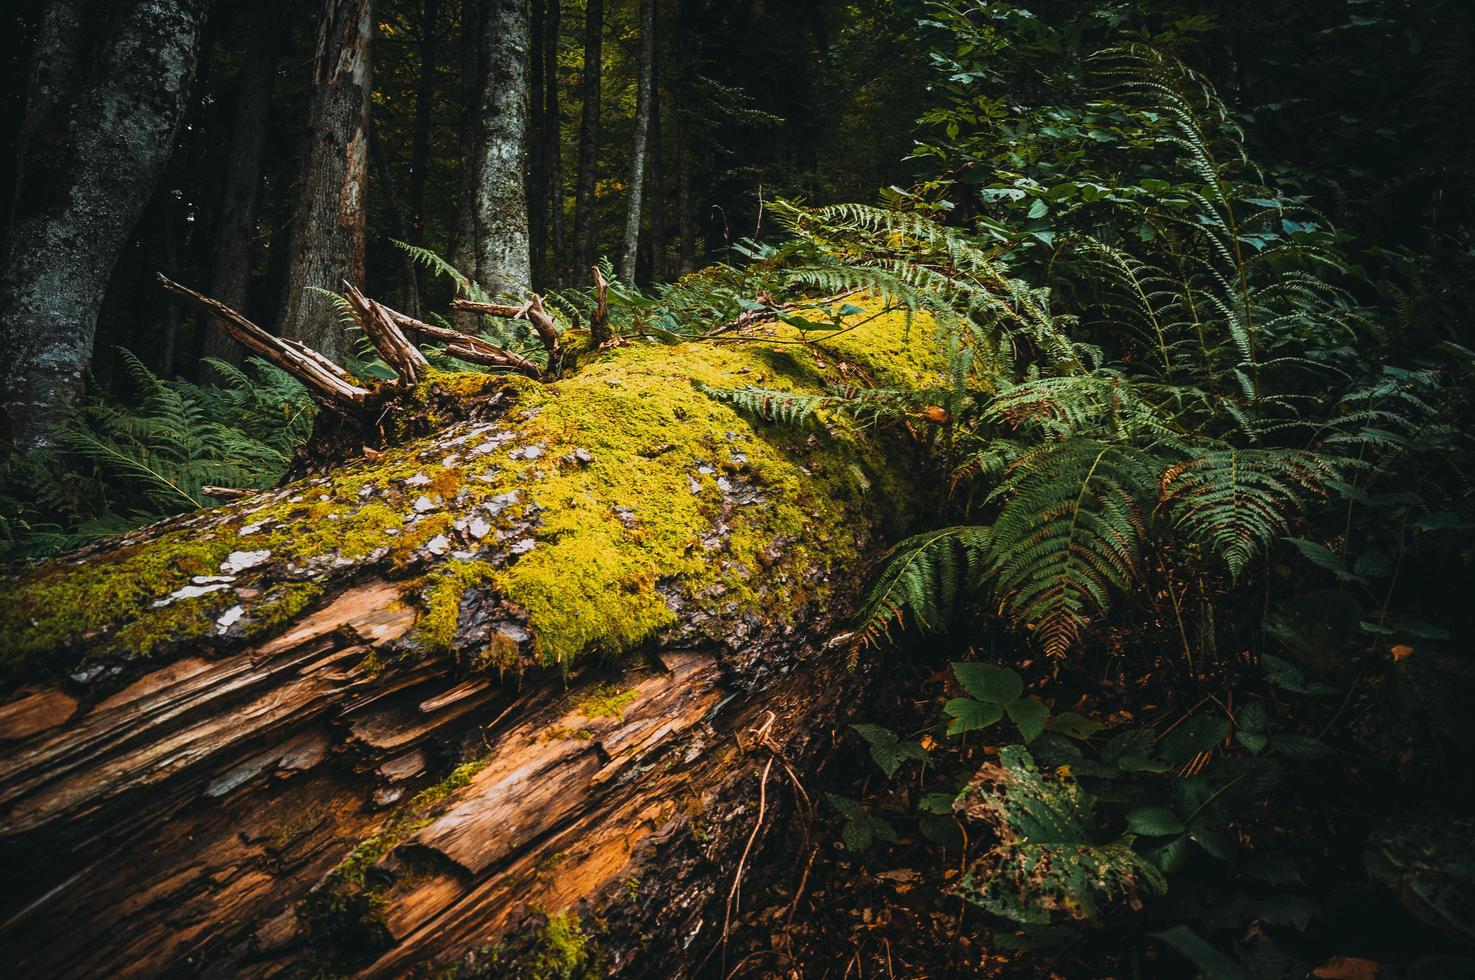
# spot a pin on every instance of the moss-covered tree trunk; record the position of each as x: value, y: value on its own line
x: 519, y: 694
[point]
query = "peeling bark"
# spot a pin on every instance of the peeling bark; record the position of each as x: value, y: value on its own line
x: 535, y: 666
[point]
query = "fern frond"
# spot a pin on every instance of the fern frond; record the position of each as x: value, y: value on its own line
x: 924, y: 578
x: 1069, y: 534
x: 1235, y: 502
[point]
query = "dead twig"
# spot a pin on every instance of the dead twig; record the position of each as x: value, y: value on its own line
x: 468, y: 348
x: 532, y: 311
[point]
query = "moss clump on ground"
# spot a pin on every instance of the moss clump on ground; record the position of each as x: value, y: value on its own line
x: 604, y: 501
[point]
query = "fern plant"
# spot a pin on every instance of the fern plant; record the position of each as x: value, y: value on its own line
x: 122, y: 464
x: 1165, y: 403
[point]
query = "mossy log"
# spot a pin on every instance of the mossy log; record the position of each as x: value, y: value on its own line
x: 503, y: 692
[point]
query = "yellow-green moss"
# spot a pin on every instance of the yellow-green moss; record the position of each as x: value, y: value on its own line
x: 444, y: 589
x: 607, y: 702
x: 410, y: 817
x: 621, y: 531
x: 562, y: 952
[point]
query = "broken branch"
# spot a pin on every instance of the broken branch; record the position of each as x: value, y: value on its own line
x: 387, y: 338
x: 467, y: 347
x: 325, y: 380
x: 532, y: 311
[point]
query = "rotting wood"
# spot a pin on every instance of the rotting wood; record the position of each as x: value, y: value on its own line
x: 391, y: 343
x: 334, y: 794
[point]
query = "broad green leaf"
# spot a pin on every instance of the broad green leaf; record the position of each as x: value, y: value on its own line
x: 969, y: 715
x: 1254, y: 741
x: 1301, y: 747
x: 1209, y: 960
x: 1076, y: 726
x: 1029, y: 717
x: 989, y: 682
x: 888, y: 751
x: 1154, y: 821
x: 1198, y: 734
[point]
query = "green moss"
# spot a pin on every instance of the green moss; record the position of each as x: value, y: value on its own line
x: 564, y: 952
x: 443, y: 592
x: 559, y: 950
x: 674, y: 499
x: 606, y: 702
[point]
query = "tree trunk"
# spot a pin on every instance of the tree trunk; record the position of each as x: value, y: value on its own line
x: 553, y: 144
x: 655, y: 182
x: 537, y: 663
x: 685, y: 225
x: 106, y: 95
x: 424, y: 102
x: 584, y: 238
x: 235, y: 236
x: 641, y: 142
x: 499, y: 202
x: 537, y: 177
x: 328, y: 235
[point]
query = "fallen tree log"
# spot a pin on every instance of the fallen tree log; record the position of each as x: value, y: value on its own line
x: 502, y: 693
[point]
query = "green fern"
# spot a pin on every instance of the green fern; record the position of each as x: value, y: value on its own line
x: 465, y: 285
x: 925, y: 578
x: 1069, y: 534
x: 1235, y: 502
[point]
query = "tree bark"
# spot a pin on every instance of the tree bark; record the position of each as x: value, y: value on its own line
x: 655, y: 181
x: 106, y: 95
x: 328, y: 235
x: 537, y: 178
x: 584, y: 232
x: 553, y: 144
x: 499, y: 204
x: 685, y: 225
x: 640, y: 145
x: 236, y: 233
x: 541, y: 662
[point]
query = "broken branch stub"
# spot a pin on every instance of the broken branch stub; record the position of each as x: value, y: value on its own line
x: 391, y: 343
x: 599, y: 332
